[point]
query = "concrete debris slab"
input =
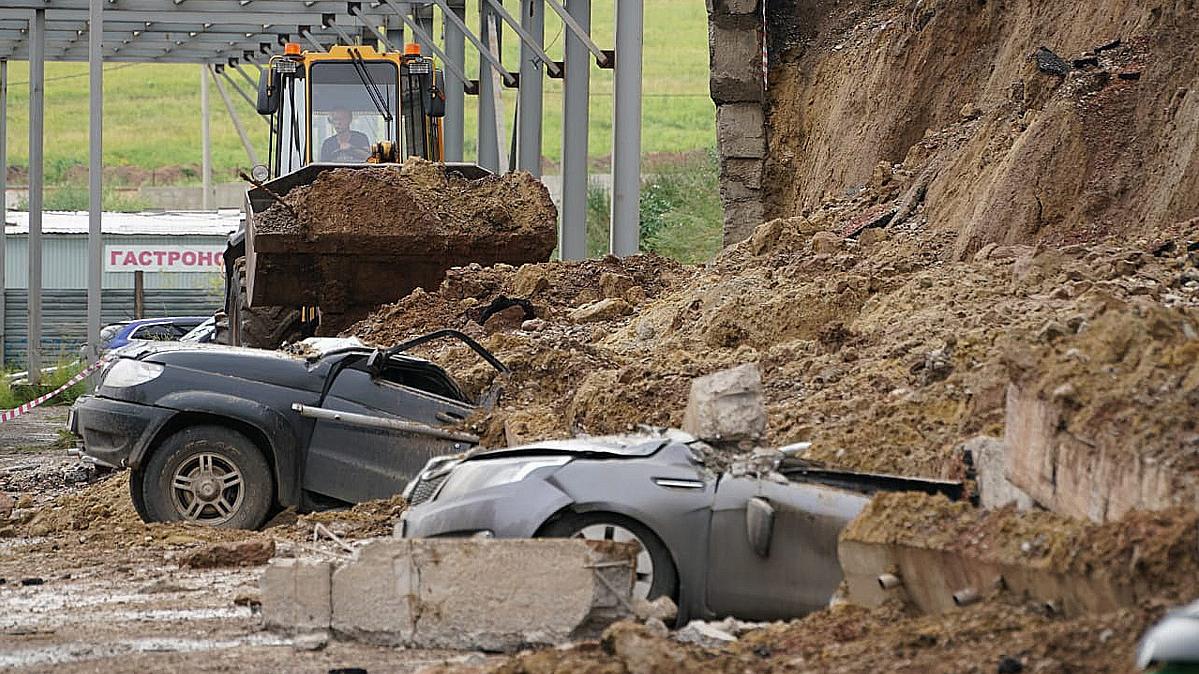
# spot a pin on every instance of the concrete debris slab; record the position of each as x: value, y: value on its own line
x: 938, y: 555
x: 727, y: 405
x: 296, y: 595
x: 493, y: 595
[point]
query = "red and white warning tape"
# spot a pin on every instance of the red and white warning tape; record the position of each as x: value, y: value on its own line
x: 8, y: 415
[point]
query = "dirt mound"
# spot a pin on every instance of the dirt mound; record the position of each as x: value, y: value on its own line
x: 418, y: 204
x: 885, y: 352
x: 987, y: 637
x: 356, y: 238
x: 946, y: 107
x: 1148, y: 354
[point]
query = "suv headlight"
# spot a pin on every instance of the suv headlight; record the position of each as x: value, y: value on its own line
x: 127, y: 372
x: 472, y: 476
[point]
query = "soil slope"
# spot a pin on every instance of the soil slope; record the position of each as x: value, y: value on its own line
x: 955, y: 102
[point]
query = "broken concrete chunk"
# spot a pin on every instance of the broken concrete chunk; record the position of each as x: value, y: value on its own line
x: 296, y: 595
x: 704, y: 634
x: 727, y: 405
x: 603, y: 310
x: 442, y: 593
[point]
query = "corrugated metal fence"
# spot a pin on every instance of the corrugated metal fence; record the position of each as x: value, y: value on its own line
x: 64, y: 316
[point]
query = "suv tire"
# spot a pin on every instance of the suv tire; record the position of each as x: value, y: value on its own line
x: 208, y: 475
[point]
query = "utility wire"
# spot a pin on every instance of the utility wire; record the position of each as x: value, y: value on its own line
x: 71, y: 77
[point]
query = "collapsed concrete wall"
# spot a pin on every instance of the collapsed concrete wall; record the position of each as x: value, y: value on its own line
x: 737, y: 86
x: 455, y: 593
x: 938, y: 555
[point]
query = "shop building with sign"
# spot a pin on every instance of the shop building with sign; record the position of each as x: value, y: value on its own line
x: 178, y: 255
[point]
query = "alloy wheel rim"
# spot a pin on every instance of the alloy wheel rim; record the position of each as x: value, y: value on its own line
x: 644, y: 579
x: 207, y: 488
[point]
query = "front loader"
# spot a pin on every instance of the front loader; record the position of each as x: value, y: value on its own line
x: 350, y: 108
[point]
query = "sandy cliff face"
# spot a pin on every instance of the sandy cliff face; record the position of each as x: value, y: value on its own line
x: 949, y: 101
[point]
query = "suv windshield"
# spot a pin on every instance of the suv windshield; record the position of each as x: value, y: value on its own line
x: 353, y: 107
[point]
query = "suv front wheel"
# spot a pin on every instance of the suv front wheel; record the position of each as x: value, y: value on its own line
x: 207, y: 475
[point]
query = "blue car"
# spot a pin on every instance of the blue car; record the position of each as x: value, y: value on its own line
x: 169, y: 329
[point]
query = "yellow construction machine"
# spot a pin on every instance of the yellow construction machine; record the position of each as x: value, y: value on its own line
x: 351, y: 107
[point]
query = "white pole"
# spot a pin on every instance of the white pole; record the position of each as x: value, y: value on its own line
x: 205, y: 142
x: 95, y: 261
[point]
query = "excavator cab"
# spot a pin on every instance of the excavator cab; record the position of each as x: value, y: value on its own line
x: 351, y: 104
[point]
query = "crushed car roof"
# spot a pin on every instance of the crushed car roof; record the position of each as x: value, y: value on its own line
x: 608, y: 445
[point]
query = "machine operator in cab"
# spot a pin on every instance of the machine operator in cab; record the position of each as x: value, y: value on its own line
x: 345, y: 145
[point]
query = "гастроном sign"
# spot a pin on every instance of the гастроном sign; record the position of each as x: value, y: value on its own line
x: 166, y: 257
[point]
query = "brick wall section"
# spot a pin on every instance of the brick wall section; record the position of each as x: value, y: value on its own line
x: 735, y: 55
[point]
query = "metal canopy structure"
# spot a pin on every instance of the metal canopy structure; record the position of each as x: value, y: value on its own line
x: 240, y: 36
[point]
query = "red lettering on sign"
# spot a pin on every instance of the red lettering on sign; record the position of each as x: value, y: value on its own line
x: 130, y: 259
x: 158, y: 254
x: 145, y: 258
x: 173, y: 257
x: 112, y: 257
x: 204, y: 259
x: 189, y: 258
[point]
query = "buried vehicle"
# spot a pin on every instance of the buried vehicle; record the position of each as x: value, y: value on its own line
x: 758, y: 541
x: 225, y: 435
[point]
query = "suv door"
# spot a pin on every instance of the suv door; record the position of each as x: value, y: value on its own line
x: 352, y: 462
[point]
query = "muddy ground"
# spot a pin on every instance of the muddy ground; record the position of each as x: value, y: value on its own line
x: 86, y: 587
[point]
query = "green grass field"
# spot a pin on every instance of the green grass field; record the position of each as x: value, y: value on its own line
x: 152, y: 120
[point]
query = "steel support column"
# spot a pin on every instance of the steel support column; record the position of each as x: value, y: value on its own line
x: 489, y: 149
x: 528, y: 135
x: 37, y: 93
x: 576, y: 93
x: 3, y: 197
x: 422, y: 14
x: 233, y: 117
x: 455, y: 96
x: 95, y: 254
x: 205, y: 143
x: 626, y: 129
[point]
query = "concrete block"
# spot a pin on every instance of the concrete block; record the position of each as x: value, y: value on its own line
x: 296, y: 595
x: 727, y: 405
x: 735, y: 49
x: 741, y: 218
x: 1080, y: 477
x: 744, y: 172
x: 995, y: 491
x: 480, y: 593
x: 732, y: 7
x: 741, y: 131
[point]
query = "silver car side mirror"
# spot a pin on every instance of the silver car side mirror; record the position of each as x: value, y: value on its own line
x: 759, y: 525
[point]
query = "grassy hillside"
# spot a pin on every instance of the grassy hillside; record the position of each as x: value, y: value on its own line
x: 152, y: 111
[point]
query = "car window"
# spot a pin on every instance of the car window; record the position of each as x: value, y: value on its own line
x: 423, y: 378
x: 159, y: 333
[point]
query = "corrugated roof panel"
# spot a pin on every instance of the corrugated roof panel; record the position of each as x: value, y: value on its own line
x: 156, y: 223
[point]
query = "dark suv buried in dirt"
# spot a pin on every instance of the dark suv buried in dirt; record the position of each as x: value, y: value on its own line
x: 226, y: 435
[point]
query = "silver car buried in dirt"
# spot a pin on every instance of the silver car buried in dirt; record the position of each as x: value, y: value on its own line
x: 757, y: 542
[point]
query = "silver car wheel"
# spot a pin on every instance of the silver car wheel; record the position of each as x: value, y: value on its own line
x: 616, y: 533
x: 207, y: 489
